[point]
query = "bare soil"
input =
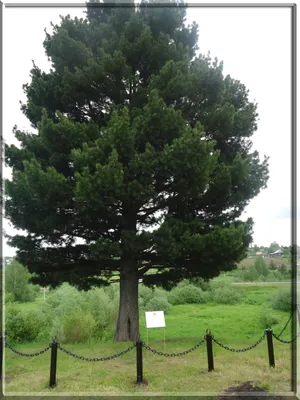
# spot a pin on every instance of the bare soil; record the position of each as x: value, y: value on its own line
x: 248, y: 388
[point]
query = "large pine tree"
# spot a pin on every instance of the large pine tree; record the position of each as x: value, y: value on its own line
x: 142, y: 157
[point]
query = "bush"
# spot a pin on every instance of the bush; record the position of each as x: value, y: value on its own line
x: 78, y: 327
x: 261, y: 266
x: 225, y: 295
x: 9, y: 298
x: 271, y: 277
x: 78, y: 316
x: 141, y: 303
x: 251, y: 274
x: 158, y: 304
x: 221, y: 281
x: 112, y: 291
x: 24, y: 326
x: 283, y: 300
x: 200, y: 283
x: 267, y: 319
x: 17, y: 282
x: 188, y: 294
x: 158, y: 292
x: 183, y: 283
x: 145, y: 293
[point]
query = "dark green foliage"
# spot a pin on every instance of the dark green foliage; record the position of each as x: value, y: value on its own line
x: 133, y: 132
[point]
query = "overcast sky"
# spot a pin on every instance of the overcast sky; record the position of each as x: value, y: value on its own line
x: 255, y: 45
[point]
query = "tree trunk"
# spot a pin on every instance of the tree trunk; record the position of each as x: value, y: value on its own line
x: 128, y: 321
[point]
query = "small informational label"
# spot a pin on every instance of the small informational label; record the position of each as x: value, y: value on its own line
x: 155, y: 319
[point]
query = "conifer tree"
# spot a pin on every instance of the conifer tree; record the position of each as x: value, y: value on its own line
x: 142, y: 158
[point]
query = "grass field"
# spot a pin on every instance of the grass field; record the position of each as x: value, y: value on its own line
x: 236, y: 326
x: 248, y: 262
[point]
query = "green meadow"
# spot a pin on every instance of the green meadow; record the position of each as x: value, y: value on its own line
x: 237, y: 326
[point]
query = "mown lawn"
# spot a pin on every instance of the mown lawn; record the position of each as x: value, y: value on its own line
x: 236, y: 326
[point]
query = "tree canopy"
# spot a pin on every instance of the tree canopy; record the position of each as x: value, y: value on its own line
x: 142, y: 157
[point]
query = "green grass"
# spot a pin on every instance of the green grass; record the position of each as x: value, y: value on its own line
x: 236, y: 326
x: 31, y: 305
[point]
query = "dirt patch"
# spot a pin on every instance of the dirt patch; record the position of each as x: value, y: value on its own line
x: 247, y: 388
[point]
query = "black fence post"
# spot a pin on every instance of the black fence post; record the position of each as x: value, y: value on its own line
x: 53, y: 362
x: 139, y: 361
x: 270, y: 347
x: 210, y: 357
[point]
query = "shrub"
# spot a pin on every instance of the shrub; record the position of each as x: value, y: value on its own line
x: 225, y: 295
x: 189, y: 294
x: 158, y: 292
x: 17, y: 282
x: 251, y: 274
x: 112, y: 291
x: 97, y: 308
x: 158, y: 304
x: 145, y: 293
x: 9, y: 298
x: 103, y: 310
x: 283, y: 300
x: 271, y: 277
x: 24, y: 326
x: 141, y: 303
x: 261, y: 266
x: 200, y: 283
x: 183, y: 283
x: 221, y: 281
x: 267, y: 318
x: 78, y: 327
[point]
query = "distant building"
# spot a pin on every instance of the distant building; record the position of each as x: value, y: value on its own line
x: 259, y: 254
x: 277, y: 253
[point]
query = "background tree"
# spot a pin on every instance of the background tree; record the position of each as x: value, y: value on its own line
x: 261, y: 267
x: 17, y: 285
x: 274, y: 246
x: 142, y: 158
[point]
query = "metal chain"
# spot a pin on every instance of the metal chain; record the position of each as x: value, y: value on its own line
x: 285, y: 325
x: 283, y: 329
x: 286, y: 341
x: 160, y: 353
x: 240, y: 350
x: 27, y: 354
x: 96, y: 359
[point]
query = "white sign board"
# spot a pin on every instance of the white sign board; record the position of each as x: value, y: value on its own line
x: 155, y: 319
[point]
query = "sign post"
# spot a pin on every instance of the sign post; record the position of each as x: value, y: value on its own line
x: 156, y: 319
